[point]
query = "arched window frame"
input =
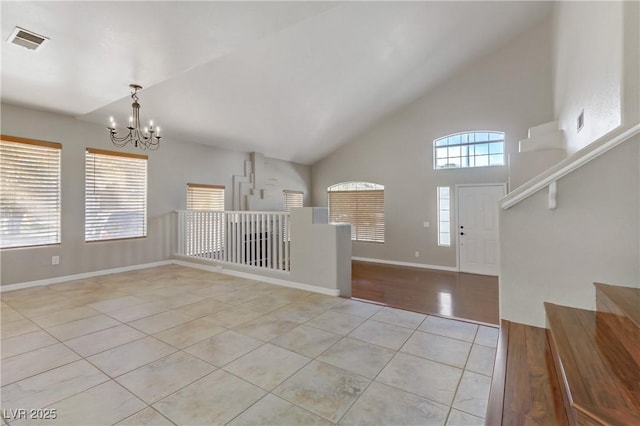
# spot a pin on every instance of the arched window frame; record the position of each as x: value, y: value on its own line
x: 482, y: 148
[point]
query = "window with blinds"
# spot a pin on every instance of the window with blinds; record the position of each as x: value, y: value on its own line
x: 29, y: 192
x: 115, y: 195
x: 362, y: 205
x: 291, y: 199
x: 205, y: 197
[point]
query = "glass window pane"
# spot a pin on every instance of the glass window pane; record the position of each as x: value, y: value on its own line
x: 454, y: 151
x: 441, y: 152
x: 444, y: 204
x: 482, y: 137
x: 496, y: 136
x: 445, y: 239
x: 481, y: 149
x: 455, y: 139
x: 444, y: 215
x: 441, y: 142
x: 497, y: 160
x: 482, y: 161
x: 496, y: 148
x: 443, y: 191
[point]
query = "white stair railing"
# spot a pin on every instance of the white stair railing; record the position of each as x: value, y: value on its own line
x: 258, y: 239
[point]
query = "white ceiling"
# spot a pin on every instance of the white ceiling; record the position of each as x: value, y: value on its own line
x: 292, y: 80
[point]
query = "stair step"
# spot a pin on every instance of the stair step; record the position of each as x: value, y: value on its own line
x: 619, y: 300
x: 622, y: 305
x: 601, y: 377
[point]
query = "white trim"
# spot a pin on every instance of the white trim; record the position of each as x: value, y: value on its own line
x: 262, y: 278
x: 65, y: 278
x: 413, y: 265
x: 565, y: 167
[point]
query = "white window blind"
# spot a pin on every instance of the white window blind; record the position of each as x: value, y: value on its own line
x: 362, y: 205
x: 205, y: 197
x: 115, y: 195
x: 30, y: 192
x: 292, y: 199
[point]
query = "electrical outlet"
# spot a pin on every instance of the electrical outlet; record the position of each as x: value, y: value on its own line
x: 55, y: 260
x: 426, y: 224
x: 417, y: 254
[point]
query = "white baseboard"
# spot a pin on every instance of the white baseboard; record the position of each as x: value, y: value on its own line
x: 218, y: 269
x: 413, y: 265
x: 262, y: 278
x: 85, y: 275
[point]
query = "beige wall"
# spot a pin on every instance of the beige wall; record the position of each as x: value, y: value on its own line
x: 508, y: 90
x: 592, y: 236
x: 588, y: 56
x: 556, y: 255
x: 170, y: 168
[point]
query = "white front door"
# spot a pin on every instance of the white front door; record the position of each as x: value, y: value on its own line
x: 478, y: 228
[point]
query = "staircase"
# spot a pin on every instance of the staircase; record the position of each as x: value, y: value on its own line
x: 597, y: 357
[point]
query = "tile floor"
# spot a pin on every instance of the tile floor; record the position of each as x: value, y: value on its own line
x: 176, y: 345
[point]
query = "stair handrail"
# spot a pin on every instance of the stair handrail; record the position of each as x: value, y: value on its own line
x: 567, y: 166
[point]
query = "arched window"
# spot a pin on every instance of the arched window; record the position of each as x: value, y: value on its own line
x: 470, y: 149
x: 362, y: 205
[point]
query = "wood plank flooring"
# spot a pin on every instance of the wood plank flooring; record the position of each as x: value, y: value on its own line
x: 428, y: 291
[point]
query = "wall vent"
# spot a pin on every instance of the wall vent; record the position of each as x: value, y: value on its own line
x: 27, y: 39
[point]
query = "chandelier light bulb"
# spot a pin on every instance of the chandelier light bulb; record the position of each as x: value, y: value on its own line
x: 144, y: 138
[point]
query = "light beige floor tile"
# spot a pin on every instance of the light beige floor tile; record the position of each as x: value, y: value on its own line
x: 450, y: 328
x: 204, y: 307
x: 104, y: 404
x: 64, y: 316
x: 265, y: 304
x: 458, y: 418
x: 384, y: 405
x: 272, y: 410
x: 399, y: 317
x: 162, y: 321
x: 487, y: 336
x: 234, y: 316
x: 34, y: 362
x: 130, y: 356
x: 190, y: 332
x: 473, y: 394
x: 422, y: 377
x: 16, y: 328
x: 438, y: 348
x: 307, y: 341
x: 381, y: 334
x: 336, y: 322
x: 154, y: 381
x: 214, y: 399
x: 111, y: 305
x: 146, y: 417
x: 360, y: 309
x: 267, y: 366
x: 266, y: 327
x: 323, y: 389
x: 22, y: 343
x: 81, y: 327
x: 325, y: 302
x: 299, y: 312
x: 358, y: 357
x: 214, y: 292
x: 481, y: 360
x: 100, y: 341
x: 183, y: 299
x: 238, y: 297
x: 136, y: 312
x: 51, y: 386
x: 8, y: 314
x: 223, y: 348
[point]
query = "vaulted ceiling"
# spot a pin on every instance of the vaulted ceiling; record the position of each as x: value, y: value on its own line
x: 292, y: 80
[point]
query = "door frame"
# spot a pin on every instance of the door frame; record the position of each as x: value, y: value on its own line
x: 502, y: 185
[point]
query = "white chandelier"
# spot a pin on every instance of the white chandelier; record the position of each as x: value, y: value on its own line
x: 147, y: 138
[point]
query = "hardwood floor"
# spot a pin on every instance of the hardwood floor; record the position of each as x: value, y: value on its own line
x: 428, y: 291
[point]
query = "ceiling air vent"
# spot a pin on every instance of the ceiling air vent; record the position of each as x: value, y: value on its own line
x: 28, y: 39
